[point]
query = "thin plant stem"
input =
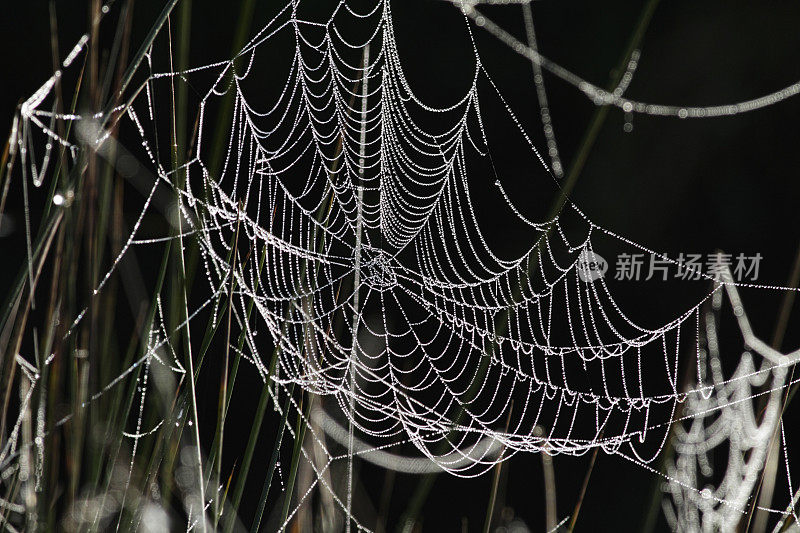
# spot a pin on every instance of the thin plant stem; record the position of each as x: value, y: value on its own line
x: 224, y: 379
x: 498, y: 468
x: 356, y: 286
x: 574, y: 519
x: 762, y: 496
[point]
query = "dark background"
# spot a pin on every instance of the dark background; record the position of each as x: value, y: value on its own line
x: 672, y: 185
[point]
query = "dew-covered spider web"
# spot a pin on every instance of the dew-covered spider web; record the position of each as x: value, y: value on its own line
x: 339, y: 223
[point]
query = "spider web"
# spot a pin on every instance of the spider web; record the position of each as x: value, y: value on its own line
x: 343, y: 212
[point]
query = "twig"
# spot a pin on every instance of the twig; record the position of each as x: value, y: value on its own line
x: 224, y: 379
x: 496, y: 480
x: 585, y: 486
